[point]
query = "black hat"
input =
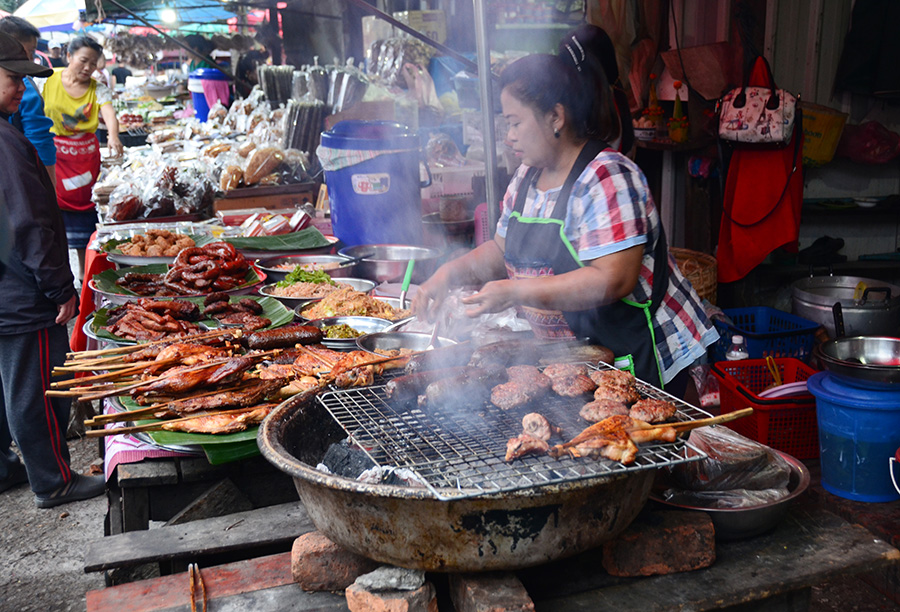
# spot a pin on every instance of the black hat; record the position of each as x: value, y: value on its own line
x: 14, y: 58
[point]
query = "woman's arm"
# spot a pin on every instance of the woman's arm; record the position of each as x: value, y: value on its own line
x: 603, y: 281
x: 112, y: 129
x: 483, y: 264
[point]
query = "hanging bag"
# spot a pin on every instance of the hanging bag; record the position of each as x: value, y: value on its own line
x: 753, y: 115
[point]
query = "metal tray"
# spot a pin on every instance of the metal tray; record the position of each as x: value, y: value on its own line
x: 462, y: 455
x: 366, y: 325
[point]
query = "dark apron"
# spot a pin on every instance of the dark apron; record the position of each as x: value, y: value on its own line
x: 537, y: 246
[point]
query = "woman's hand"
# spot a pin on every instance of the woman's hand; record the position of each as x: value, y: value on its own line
x: 116, y: 149
x: 493, y: 297
x: 430, y: 294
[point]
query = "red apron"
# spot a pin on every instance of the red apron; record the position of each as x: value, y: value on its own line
x: 77, y: 169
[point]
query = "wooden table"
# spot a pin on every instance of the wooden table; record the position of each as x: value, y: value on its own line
x: 773, y: 572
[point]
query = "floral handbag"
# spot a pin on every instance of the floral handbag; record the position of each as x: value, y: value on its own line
x: 757, y: 115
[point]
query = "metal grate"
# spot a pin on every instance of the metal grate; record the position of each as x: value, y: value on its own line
x: 461, y: 454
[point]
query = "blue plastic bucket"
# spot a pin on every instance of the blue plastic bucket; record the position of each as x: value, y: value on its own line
x: 379, y: 200
x: 195, y: 86
x: 859, y: 431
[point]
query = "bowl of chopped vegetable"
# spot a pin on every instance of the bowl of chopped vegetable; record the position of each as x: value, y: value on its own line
x: 277, y: 268
x: 341, y: 332
x: 301, y: 285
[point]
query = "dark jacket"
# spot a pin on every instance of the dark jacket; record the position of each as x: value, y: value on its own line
x: 35, y: 276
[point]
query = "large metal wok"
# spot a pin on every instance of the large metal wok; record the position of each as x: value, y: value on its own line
x: 412, y: 527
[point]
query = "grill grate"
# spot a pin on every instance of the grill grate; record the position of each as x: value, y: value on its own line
x: 461, y: 454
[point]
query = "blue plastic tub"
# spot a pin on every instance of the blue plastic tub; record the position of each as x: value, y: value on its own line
x: 379, y: 200
x: 859, y: 432
x: 767, y: 332
x: 195, y: 86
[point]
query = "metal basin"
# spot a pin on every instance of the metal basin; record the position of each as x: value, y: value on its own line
x: 739, y: 523
x: 328, y: 263
x: 395, y: 341
x: 872, y: 361
x: 877, y: 314
x: 388, y: 261
x: 408, y: 527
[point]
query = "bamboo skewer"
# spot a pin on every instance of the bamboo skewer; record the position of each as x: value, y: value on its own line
x: 59, y: 370
x: 236, y: 332
x: 129, y: 415
x: 689, y: 425
x: 108, y: 376
x: 112, y: 431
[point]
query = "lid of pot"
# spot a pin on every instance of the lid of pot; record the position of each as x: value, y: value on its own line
x: 826, y: 290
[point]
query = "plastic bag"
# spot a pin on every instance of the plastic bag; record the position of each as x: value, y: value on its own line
x: 736, y: 498
x: 442, y: 152
x: 869, y: 143
x: 456, y: 324
x: 125, y: 203
x: 733, y: 462
x: 707, y: 386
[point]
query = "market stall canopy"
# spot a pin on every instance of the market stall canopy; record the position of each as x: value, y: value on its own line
x: 51, y: 14
x: 187, y: 15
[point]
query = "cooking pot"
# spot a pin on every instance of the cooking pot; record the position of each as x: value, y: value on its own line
x: 409, y: 527
x: 876, y: 313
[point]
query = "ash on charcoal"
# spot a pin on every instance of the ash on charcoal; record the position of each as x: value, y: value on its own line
x: 391, y: 476
x: 390, y: 578
x: 346, y: 461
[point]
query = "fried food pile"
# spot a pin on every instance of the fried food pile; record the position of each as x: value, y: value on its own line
x: 242, y: 312
x: 153, y: 319
x: 349, y: 302
x: 156, y: 243
x: 218, y: 266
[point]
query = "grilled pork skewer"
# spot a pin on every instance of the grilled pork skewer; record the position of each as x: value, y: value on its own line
x: 76, y: 356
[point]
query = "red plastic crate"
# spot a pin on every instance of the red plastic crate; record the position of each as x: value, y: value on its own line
x: 786, y: 424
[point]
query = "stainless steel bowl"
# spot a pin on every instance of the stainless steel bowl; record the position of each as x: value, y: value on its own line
x: 359, y: 284
x: 395, y: 341
x: 388, y: 262
x: 739, y: 523
x: 364, y: 325
x: 328, y: 262
x: 393, y: 302
x: 869, y: 360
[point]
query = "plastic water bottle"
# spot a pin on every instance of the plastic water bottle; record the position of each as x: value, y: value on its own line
x: 738, y: 349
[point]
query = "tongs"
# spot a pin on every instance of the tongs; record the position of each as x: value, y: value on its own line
x: 774, y: 371
x: 354, y: 260
x: 405, y: 286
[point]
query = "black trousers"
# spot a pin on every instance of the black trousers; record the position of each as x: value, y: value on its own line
x: 36, y: 423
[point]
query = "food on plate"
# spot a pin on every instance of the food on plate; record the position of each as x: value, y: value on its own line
x: 300, y: 283
x: 569, y: 379
x: 156, y: 243
x: 615, y: 385
x: 348, y: 302
x: 244, y: 312
x: 526, y: 384
x: 601, y: 409
x: 653, y: 410
x: 152, y: 320
x: 230, y: 422
x: 218, y: 266
x: 341, y: 330
x: 283, y: 337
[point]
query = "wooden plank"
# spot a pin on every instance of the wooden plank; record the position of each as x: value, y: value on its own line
x: 146, y: 474
x: 241, y: 531
x: 809, y: 547
x: 220, y: 499
x: 264, y: 583
x: 135, y: 509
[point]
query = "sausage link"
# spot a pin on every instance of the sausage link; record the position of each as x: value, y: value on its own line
x: 283, y: 337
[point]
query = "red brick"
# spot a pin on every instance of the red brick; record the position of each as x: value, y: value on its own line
x: 318, y: 564
x: 422, y: 599
x: 662, y: 542
x: 497, y: 592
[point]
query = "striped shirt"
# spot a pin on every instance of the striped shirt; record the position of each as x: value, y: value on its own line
x: 610, y: 210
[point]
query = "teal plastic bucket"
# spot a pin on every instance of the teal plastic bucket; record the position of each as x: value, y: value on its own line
x: 376, y: 196
x: 859, y: 432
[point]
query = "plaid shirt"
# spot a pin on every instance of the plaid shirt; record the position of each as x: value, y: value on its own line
x: 611, y: 210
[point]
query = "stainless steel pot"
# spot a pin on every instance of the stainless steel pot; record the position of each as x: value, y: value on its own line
x: 387, y: 262
x: 408, y: 527
x: 876, y: 314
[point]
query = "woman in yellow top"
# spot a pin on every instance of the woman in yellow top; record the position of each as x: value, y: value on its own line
x: 75, y: 102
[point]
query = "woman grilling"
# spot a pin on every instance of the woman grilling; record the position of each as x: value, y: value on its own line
x: 75, y: 102
x: 579, y: 245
